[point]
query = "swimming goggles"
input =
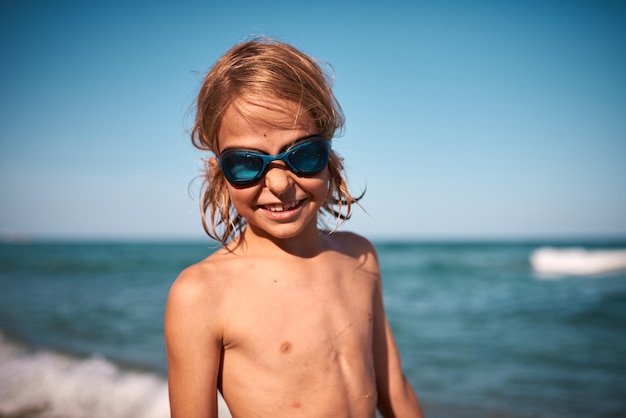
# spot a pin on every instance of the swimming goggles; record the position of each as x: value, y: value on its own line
x: 306, y: 158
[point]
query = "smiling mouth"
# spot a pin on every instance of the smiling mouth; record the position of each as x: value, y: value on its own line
x: 283, y: 207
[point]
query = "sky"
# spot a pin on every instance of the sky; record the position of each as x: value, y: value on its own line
x: 464, y: 119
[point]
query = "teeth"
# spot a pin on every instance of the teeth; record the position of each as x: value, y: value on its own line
x: 281, y: 208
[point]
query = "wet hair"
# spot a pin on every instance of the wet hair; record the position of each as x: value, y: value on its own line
x: 259, y: 69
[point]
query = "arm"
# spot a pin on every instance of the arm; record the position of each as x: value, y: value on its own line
x: 396, y: 397
x: 193, y: 347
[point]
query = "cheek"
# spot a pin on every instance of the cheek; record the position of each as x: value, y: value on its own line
x: 318, y: 186
x: 321, y: 185
x: 239, y: 197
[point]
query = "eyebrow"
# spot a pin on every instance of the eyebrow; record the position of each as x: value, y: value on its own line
x: 283, y: 149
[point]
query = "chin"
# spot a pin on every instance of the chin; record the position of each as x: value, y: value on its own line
x: 289, y: 230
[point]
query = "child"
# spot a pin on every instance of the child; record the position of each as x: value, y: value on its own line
x: 286, y: 319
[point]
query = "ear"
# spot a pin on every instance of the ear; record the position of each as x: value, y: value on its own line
x: 213, y: 163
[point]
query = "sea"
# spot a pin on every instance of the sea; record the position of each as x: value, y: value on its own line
x: 497, y: 329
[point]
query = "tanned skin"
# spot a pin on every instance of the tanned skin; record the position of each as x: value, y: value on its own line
x: 287, y: 320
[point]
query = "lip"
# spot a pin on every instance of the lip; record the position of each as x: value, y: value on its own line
x: 282, y: 210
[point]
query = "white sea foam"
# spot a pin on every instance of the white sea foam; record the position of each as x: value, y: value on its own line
x: 45, y: 384
x: 554, y: 262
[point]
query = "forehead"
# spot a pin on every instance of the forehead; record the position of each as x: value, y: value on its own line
x: 246, y: 122
x: 269, y: 113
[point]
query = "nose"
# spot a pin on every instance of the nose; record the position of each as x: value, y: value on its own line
x: 278, y: 178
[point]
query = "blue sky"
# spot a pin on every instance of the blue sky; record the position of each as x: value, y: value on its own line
x: 481, y: 119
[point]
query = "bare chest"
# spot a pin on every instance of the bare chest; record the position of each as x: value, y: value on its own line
x: 301, y: 317
x: 299, y: 337
x: 284, y: 314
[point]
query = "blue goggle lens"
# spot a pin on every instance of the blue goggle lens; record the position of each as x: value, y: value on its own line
x: 245, y: 167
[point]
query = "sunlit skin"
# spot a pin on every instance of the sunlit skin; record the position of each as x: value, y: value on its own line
x: 280, y: 188
x: 291, y: 321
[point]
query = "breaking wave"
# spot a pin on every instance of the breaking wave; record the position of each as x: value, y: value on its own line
x: 577, y: 261
x: 45, y: 384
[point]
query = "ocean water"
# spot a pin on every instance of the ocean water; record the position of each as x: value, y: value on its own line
x: 485, y: 329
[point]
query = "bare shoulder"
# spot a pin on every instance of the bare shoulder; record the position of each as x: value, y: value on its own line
x: 356, y: 247
x: 197, y: 279
x: 199, y: 288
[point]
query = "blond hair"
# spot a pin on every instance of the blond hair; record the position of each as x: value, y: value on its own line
x: 263, y: 68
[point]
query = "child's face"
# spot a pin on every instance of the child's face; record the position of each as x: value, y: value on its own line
x: 282, y: 204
